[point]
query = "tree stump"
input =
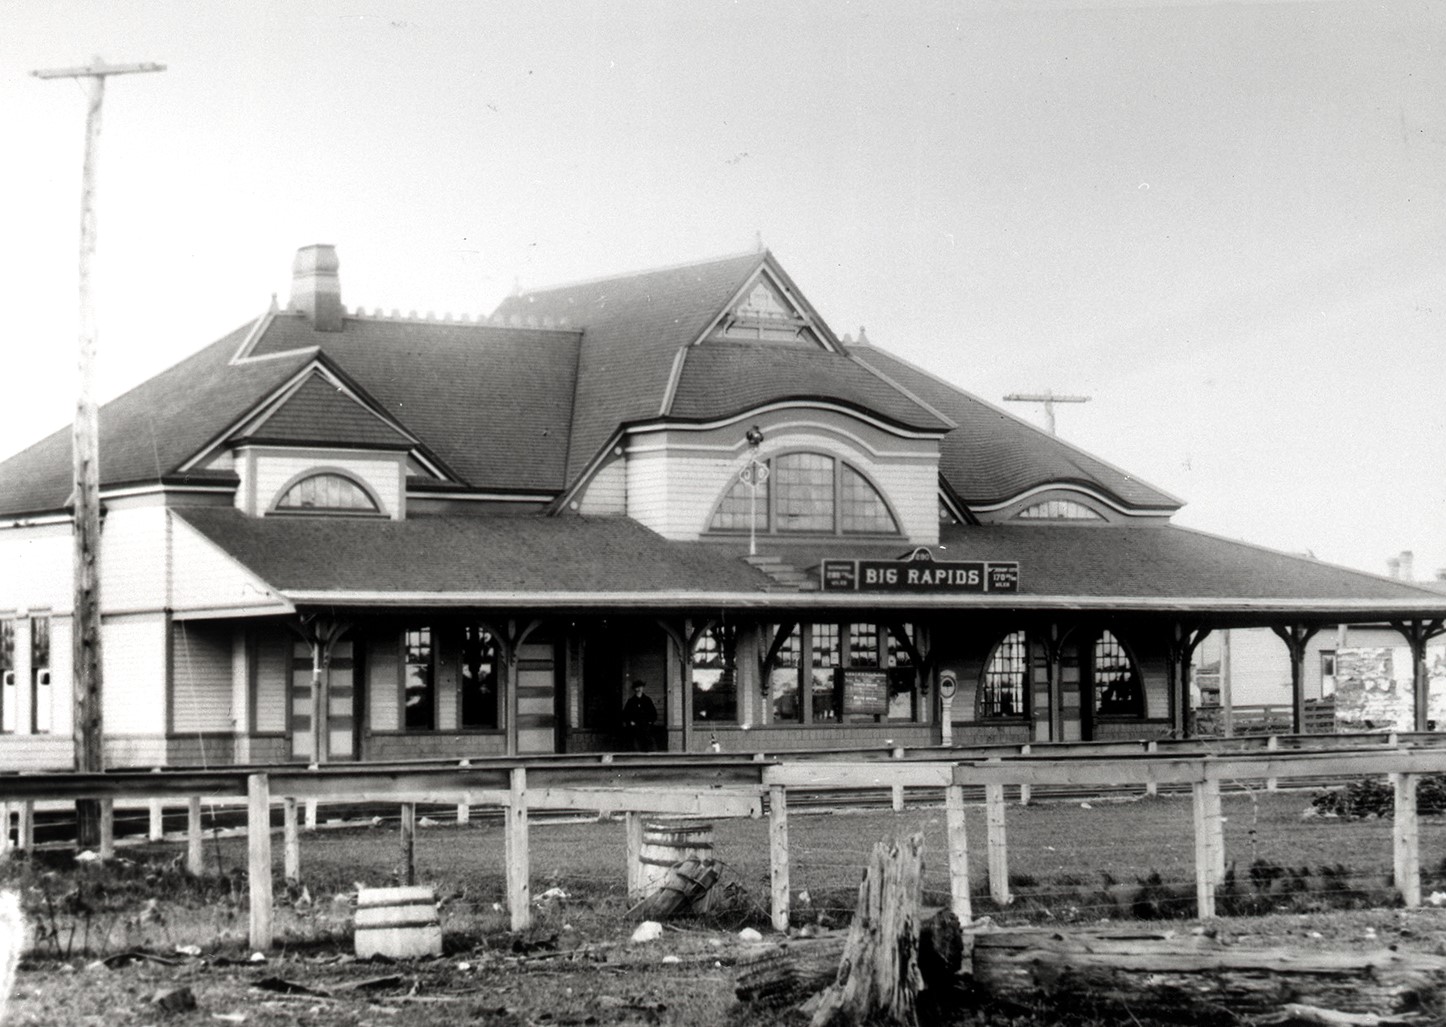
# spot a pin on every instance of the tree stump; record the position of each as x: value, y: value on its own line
x: 878, y: 978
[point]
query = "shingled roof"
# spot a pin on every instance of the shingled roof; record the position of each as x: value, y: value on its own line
x: 496, y: 555
x: 722, y: 378
x: 635, y: 325
x: 150, y: 431
x: 493, y: 402
x: 994, y: 456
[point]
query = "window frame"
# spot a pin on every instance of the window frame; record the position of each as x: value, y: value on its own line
x: 498, y: 692
x: 276, y: 509
x: 405, y: 665
x: 1026, y: 691
x: 768, y: 502
x: 805, y: 686
x: 9, y: 686
x: 1139, y: 700
x: 40, y: 631
x: 724, y: 639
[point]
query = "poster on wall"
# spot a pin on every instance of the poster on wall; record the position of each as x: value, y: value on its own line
x: 865, y: 692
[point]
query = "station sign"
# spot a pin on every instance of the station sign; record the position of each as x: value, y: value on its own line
x: 920, y: 573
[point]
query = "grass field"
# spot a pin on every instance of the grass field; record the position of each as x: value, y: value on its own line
x: 1069, y: 862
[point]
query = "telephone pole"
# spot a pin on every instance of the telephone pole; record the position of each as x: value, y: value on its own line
x: 1049, y: 399
x: 85, y: 460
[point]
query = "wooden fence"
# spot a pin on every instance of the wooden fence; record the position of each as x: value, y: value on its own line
x: 732, y: 786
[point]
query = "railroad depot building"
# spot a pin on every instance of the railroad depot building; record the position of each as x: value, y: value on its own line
x: 334, y: 535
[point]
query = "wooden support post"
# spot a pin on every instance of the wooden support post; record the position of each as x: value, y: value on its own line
x: 311, y: 814
x: 1204, y: 851
x: 998, y: 849
x: 1271, y: 745
x: 960, y: 901
x: 1152, y: 787
x: 158, y: 816
x: 5, y: 845
x: 898, y: 789
x: 778, y: 854
x: 1216, y: 822
x: 107, y: 829
x: 1406, y: 838
x: 25, y: 826
x: 519, y: 869
x: 1026, y: 791
x: 195, y: 853
x: 408, y: 841
x: 633, y: 826
x: 464, y: 805
x: 1296, y: 637
x: 258, y: 858
x: 290, y: 841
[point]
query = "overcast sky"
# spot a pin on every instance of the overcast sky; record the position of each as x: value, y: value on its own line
x: 1224, y: 222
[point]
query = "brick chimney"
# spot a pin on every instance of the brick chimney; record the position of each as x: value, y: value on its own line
x: 1408, y: 565
x: 316, y: 286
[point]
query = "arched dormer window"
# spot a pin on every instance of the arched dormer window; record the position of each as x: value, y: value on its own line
x: 806, y: 494
x: 1117, y: 686
x: 1004, y: 682
x: 331, y: 491
x: 1057, y: 510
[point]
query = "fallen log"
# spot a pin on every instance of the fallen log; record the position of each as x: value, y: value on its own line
x: 792, y: 971
x: 1197, y: 980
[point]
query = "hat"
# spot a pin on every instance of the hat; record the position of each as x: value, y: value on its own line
x: 639, y: 683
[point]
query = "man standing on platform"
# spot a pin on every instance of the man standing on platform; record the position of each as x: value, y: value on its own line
x: 639, y: 716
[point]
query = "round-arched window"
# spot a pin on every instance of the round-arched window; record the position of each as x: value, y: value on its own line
x: 327, y: 492
x: 1118, y: 691
x: 805, y: 493
x: 1004, y: 682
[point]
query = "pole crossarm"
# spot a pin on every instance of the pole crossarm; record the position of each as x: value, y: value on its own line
x: 99, y: 69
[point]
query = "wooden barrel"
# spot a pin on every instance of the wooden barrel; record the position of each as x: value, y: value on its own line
x: 399, y: 923
x: 668, y: 842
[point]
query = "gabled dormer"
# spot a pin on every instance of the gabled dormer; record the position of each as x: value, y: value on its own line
x: 770, y: 309
x: 319, y: 444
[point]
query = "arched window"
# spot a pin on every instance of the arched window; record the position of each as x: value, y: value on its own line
x: 1004, y: 684
x: 805, y: 493
x: 329, y: 492
x: 1057, y: 510
x: 1118, y: 691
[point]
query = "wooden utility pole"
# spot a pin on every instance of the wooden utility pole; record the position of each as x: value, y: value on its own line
x: 85, y: 457
x: 1049, y: 399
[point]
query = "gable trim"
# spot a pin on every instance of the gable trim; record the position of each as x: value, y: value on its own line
x: 665, y: 424
x: 767, y: 265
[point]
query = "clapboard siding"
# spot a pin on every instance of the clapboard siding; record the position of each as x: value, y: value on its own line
x: 273, y: 676
x: 273, y: 470
x: 205, y: 578
x: 675, y: 478
x: 383, y: 668
x: 133, y: 560
x: 607, y: 493
x: 35, y: 568
x: 202, y: 675
x: 134, y: 654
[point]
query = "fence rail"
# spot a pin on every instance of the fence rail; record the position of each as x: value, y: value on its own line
x: 726, y: 786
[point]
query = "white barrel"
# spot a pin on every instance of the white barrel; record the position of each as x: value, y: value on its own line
x: 667, y: 843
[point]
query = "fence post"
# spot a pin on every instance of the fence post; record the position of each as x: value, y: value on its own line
x: 408, y: 841
x: 158, y: 816
x: 258, y: 858
x: 311, y: 814
x: 4, y: 830
x: 958, y: 854
x: 195, y: 854
x: 1026, y: 790
x: 1152, y: 787
x: 464, y: 806
x: 633, y: 826
x: 1406, y: 840
x: 107, y: 829
x: 898, y: 789
x: 1205, y: 844
x: 25, y: 826
x: 1271, y: 744
x: 519, y: 871
x: 778, y: 854
x: 290, y: 841
x: 998, y: 849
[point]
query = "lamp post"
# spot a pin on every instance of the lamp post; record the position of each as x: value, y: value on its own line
x: 754, y: 474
